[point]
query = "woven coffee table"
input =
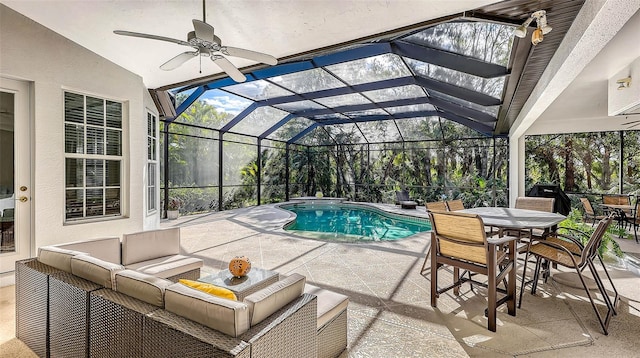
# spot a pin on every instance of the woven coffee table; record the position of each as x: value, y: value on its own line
x: 255, y: 280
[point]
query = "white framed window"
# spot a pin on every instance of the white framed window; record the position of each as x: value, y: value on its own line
x: 93, y: 157
x: 152, y: 162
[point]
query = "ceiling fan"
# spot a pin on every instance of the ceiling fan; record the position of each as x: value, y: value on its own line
x: 205, y: 43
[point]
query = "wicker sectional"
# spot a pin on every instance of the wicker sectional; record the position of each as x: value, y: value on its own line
x: 74, y: 301
x: 61, y: 315
x: 32, y: 304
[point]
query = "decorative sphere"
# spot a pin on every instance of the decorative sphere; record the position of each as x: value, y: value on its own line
x: 240, y: 266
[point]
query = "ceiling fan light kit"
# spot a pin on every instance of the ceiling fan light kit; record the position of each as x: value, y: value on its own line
x: 206, y: 44
x: 540, y: 17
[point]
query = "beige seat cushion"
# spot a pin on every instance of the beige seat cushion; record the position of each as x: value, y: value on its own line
x: 147, y: 245
x: 330, y: 304
x: 95, y: 270
x: 57, y: 257
x: 107, y: 249
x: 265, y: 302
x: 144, y: 287
x: 167, y: 266
x: 227, y: 316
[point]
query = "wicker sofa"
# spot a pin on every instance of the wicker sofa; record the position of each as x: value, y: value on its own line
x: 82, y: 313
x: 106, y: 298
x: 155, y: 252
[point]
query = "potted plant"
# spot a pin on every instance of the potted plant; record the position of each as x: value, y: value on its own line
x: 173, y: 208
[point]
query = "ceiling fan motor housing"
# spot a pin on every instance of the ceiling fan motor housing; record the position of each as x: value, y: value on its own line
x: 192, y: 36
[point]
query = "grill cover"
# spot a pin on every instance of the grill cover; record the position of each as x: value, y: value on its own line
x: 562, y: 203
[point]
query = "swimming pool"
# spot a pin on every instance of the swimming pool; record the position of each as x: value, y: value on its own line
x: 351, y: 222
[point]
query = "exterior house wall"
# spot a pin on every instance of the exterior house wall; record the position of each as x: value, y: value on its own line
x: 621, y: 100
x: 594, y: 27
x: 52, y: 64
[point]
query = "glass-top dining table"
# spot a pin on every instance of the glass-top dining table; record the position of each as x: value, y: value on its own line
x: 511, y: 218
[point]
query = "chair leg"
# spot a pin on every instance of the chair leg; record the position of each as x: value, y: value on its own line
x: 616, y: 296
x: 456, y: 278
x: 601, y: 288
x: 434, y: 277
x: 512, y: 280
x: 492, y: 299
x: 593, y: 304
x: 536, y: 275
x: 611, y: 311
x: 470, y: 282
x: 524, y: 277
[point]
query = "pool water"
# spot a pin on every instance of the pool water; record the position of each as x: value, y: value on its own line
x: 346, y: 222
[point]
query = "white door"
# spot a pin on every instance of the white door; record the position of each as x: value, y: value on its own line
x: 15, y: 173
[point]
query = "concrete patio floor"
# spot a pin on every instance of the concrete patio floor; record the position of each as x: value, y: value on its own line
x: 389, y: 312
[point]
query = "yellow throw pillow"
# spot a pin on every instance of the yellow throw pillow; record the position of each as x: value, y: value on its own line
x: 210, y: 289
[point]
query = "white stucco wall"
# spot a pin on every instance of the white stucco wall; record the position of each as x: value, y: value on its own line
x: 620, y: 100
x: 52, y: 64
x: 596, y: 24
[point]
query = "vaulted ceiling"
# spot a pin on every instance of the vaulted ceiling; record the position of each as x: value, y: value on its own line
x: 301, y: 34
x: 463, y: 69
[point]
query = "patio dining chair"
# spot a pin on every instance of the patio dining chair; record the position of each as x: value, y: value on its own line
x: 437, y: 206
x: 589, y: 212
x: 569, y: 252
x: 432, y: 206
x: 634, y: 218
x: 459, y: 240
x: 616, y: 199
x: 537, y: 204
x: 618, y: 214
x: 455, y: 205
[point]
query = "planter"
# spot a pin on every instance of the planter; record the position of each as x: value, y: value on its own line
x: 172, y: 214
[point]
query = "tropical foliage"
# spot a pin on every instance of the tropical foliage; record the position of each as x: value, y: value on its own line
x: 574, y: 226
x: 454, y: 162
x: 585, y: 162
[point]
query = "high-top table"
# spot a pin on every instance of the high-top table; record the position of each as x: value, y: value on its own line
x: 511, y: 218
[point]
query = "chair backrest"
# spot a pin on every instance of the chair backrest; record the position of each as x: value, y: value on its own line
x: 150, y: 244
x: 616, y: 199
x: 402, y: 195
x: 586, y: 204
x: 459, y: 236
x: 535, y: 203
x: 437, y: 205
x: 591, y: 247
x: 455, y: 205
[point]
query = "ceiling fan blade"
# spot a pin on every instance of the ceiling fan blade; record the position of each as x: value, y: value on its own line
x: 203, y: 30
x: 178, y: 60
x: 151, y: 37
x: 248, y: 54
x: 229, y: 68
x: 625, y: 124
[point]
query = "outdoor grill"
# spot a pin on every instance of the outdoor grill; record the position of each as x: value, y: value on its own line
x: 562, y: 203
